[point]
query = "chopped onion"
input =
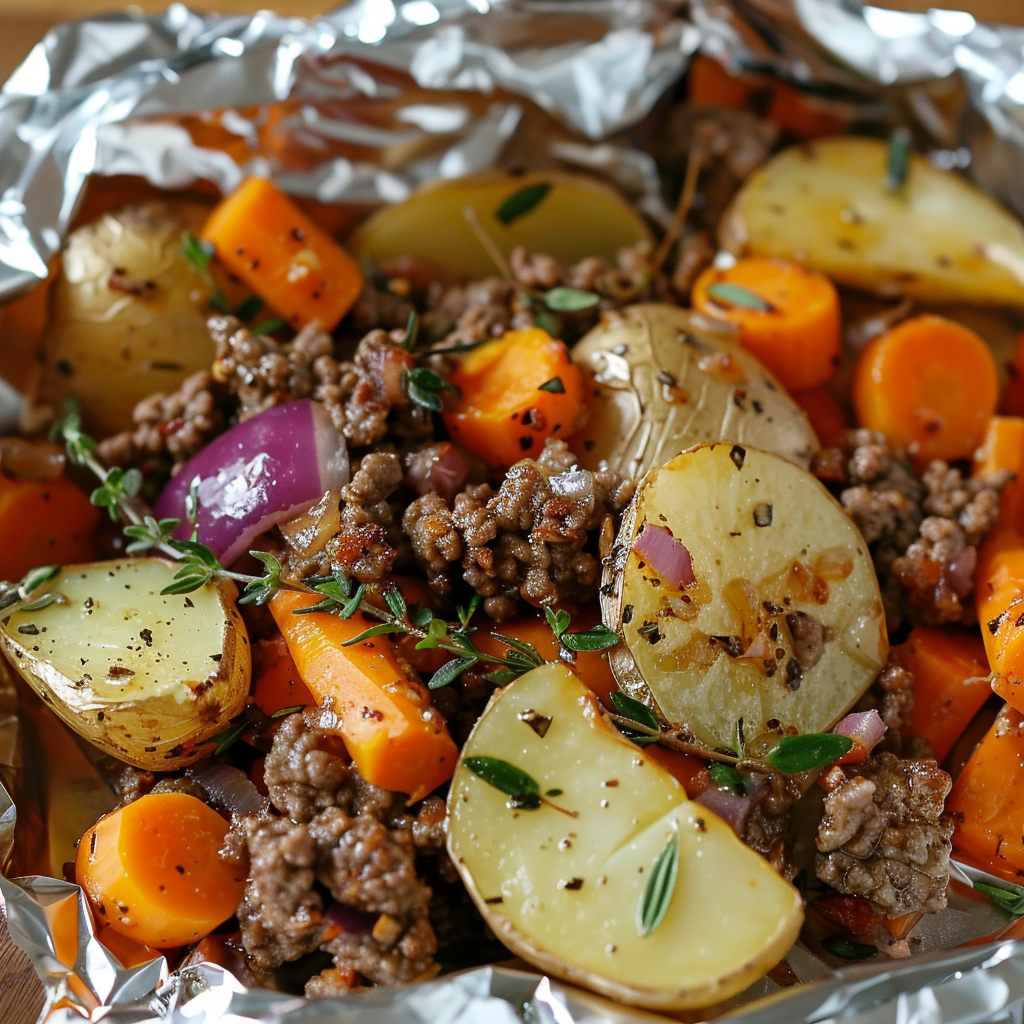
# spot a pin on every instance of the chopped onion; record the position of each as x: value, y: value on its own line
x: 732, y: 808
x: 230, y: 788
x: 666, y: 555
x: 348, y: 919
x: 264, y: 471
x: 437, y: 469
x: 865, y: 728
x: 574, y: 484
x: 958, y: 573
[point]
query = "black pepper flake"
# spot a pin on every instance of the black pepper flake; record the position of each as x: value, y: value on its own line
x: 738, y: 454
x: 994, y: 624
x: 298, y: 234
x: 794, y: 674
x: 627, y: 613
x: 537, y: 722
x: 64, y: 368
x: 763, y: 514
x: 29, y: 629
x: 574, y: 884
x: 180, y: 868
x: 216, y: 657
x: 493, y: 901
x: 733, y: 644
x: 526, y: 443
x: 698, y: 824
x: 188, y: 603
x: 146, y: 636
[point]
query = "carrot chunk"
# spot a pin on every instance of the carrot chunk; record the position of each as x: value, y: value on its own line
x: 950, y: 683
x: 1002, y: 449
x: 289, y: 261
x: 44, y: 522
x: 826, y: 415
x: 152, y: 870
x: 276, y: 681
x: 929, y: 385
x: 514, y: 393
x: 987, y: 801
x: 395, y: 737
x: 1012, y: 401
x: 788, y: 316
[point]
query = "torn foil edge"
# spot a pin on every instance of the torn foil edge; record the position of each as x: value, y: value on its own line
x: 67, y: 113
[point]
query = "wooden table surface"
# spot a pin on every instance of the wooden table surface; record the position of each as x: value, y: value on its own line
x: 23, y: 23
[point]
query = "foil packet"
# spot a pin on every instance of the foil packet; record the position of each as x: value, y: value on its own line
x: 359, y: 107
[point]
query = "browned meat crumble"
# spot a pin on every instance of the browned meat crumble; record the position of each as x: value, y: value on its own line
x: 923, y: 533
x: 884, y: 836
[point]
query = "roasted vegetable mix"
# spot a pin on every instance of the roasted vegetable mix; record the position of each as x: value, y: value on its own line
x: 512, y: 573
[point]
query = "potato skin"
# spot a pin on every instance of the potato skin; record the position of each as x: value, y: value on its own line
x: 127, y: 315
x: 662, y: 379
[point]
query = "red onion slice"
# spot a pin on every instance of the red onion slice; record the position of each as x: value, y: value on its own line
x: 732, y: 808
x: 348, y: 919
x: 230, y: 788
x: 866, y: 729
x: 666, y: 555
x: 264, y: 471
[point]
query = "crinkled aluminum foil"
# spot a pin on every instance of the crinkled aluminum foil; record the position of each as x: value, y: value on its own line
x: 442, y: 88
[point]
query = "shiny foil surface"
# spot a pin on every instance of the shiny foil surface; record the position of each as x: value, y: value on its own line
x: 436, y: 89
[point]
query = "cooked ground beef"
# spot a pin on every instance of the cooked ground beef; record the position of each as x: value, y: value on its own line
x: 526, y: 541
x: 338, y: 841
x: 883, y: 835
x: 923, y: 534
x: 768, y: 828
x: 892, y: 694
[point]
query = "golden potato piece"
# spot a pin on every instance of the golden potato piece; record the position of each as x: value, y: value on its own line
x: 564, y: 892
x: 826, y: 204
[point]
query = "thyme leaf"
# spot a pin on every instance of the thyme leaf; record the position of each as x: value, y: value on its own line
x: 735, y: 295
x: 1008, y: 897
x: 522, y: 789
x: 570, y: 300
x: 792, y: 755
x: 423, y: 387
x: 597, y: 638
x: 520, y: 203
x: 554, y: 386
x: 897, y: 167
x: 847, y: 949
x: 661, y: 886
x: 724, y: 776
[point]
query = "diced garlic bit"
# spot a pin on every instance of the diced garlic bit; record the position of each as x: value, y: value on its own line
x: 143, y: 675
x: 565, y: 894
x: 783, y: 626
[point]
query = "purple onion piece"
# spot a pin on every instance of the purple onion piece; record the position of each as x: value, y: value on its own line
x: 732, y: 808
x: 230, y: 788
x: 666, y: 555
x: 348, y: 919
x: 865, y: 728
x: 264, y: 471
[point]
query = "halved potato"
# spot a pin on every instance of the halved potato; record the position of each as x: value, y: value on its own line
x: 663, y: 379
x: 826, y: 204
x: 746, y: 599
x: 579, y: 217
x: 561, y: 884
x: 143, y: 676
x: 128, y: 314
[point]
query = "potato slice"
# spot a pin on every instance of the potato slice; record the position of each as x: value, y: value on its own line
x: 664, y: 379
x: 128, y: 314
x: 826, y: 204
x: 143, y: 676
x: 579, y: 217
x: 781, y: 627
x: 563, y: 891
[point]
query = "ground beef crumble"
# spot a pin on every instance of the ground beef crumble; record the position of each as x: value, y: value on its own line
x: 884, y: 836
x: 923, y: 533
x: 337, y: 841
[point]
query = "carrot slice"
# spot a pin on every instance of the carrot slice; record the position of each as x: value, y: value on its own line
x: 276, y: 682
x: 788, y: 316
x: 987, y: 801
x: 514, y: 393
x: 395, y: 737
x: 951, y: 682
x: 1003, y: 449
x: 288, y: 260
x: 999, y: 595
x: 44, y: 522
x: 711, y: 85
x: 826, y: 415
x: 929, y: 385
x: 1012, y: 401
x: 152, y: 870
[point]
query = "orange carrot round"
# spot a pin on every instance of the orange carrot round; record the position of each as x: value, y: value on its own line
x: 514, y: 393
x: 276, y: 682
x: 788, y: 316
x: 929, y: 385
x: 152, y: 870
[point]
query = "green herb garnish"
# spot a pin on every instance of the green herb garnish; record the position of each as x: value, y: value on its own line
x: 423, y: 387
x: 522, y: 789
x: 795, y: 754
x: 847, y: 949
x: 660, y: 888
x: 1008, y: 897
x: 570, y: 300
x: 520, y: 203
x: 554, y: 386
x: 735, y: 295
x: 897, y: 168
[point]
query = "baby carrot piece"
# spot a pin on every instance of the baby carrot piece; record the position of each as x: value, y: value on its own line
x: 1002, y: 449
x: 987, y: 801
x: 514, y: 393
x: 152, y: 870
x: 397, y: 740
x: 262, y: 237
x: 825, y: 413
x: 951, y: 682
x: 788, y: 316
x: 929, y: 385
x: 46, y: 522
x: 276, y: 681
x: 999, y: 595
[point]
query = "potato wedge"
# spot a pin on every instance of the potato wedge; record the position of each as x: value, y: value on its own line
x: 746, y: 599
x: 563, y: 888
x: 663, y: 379
x: 144, y: 677
x: 128, y: 314
x: 826, y: 204
x: 578, y: 217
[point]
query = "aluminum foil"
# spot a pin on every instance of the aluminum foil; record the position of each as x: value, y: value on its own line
x: 361, y: 106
